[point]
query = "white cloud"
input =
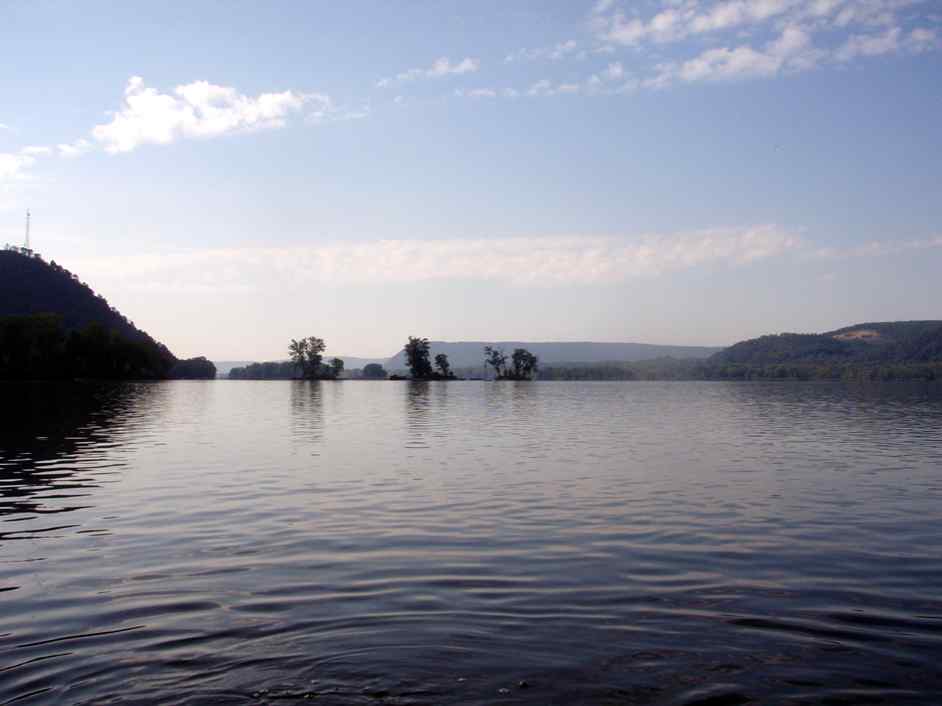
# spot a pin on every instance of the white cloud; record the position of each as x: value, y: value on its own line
x: 842, y: 31
x: 4, y: 126
x: 13, y: 166
x: 542, y: 261
x: 36, y: 150
x: 194, y: 110
x: 791, y: 51
x: 441, y: 67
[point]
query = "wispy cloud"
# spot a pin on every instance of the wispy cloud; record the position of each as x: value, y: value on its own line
x: 74, y: 149
x: 558, y: 51
x: 440, y: 68
x: 477, y: 92
x: 36, y: 150
x: 538, y: 261
x: 798, y: 35
x: 877, y: 248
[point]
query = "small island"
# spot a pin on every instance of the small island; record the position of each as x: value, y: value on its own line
x: 306, y: 362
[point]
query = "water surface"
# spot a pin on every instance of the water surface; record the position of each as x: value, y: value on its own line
x: 470, y: 543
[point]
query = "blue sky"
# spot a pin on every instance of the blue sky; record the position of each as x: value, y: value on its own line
x: 232, y: 175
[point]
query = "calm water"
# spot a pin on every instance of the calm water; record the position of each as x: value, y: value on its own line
x: 359, y: 542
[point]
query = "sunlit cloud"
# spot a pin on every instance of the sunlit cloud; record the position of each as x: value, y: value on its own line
x: 197, y: 110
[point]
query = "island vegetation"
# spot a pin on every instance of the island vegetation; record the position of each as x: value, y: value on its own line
x: 418, y: 354
x: 523, y: 364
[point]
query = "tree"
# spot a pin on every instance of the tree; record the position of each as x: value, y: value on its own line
x: 374, y: 371
x: 524, y: 364
x: 336, y: 367
x: 306, y: 354
x: 297, y: 350
x: 417, y: 356
x: 444, y: 367
x: 497, y: 360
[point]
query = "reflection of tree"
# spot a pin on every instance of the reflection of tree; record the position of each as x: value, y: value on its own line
x: 307, y: 412
x: 46, y: 426
x: 417, y: 412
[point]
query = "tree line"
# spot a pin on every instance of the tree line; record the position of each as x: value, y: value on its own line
x: 39, y: 347
x: 306, y: 362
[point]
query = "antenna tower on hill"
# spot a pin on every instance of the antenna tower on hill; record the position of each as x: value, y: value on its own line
x: 26, y: 245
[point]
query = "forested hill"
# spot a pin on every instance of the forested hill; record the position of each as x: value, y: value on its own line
x: 878, y: 343
x: 52, y: 325
x: 29, y: 285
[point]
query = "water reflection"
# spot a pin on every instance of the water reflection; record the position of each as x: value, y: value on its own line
x: 418, y: 413
x: 307, y: 413
x: 604, y: 543
x: 52, y: 441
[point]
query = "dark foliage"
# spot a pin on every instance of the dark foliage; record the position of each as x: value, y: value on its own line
x: 444, y: 367
x: 193, y: 369
x: 523, y: 364
x: 276, y: 370
x: 374, y: 371
x: 33, y: 286
x: 307, y: 356
x: 872, y: 344
x: 38, y: 347
x: 417, y: 357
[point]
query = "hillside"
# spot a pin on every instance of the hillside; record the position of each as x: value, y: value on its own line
x: 879, y: 343
x: 54, y: 325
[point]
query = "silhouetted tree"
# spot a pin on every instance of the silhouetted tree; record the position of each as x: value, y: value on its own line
x: 525, y: 364
x: 444, y: 367
x: 336, y: 367
x: 417, y: 357
x: 306, y: 354
x: 496, y: 358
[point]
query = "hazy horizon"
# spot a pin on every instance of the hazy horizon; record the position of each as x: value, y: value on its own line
x: 231, y: 176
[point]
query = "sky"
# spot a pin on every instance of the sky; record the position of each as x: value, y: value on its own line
x: 231, y: 175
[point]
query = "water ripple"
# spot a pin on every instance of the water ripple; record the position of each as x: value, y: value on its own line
x: 469, y: 543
